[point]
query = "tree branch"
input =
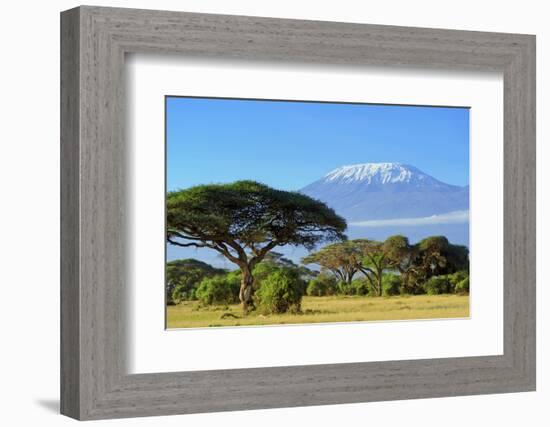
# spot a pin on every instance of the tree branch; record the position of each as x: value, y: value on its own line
x: 221, y: 248
x: 261, y: 253
x: 186, y: 245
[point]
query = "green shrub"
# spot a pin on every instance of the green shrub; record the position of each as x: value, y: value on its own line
x: 463, y: 287
x: 266, y: 268
x: 412, y: 287
x: 322, y: 285
x: 436, y: 285
x: 219, y: 290
x: 457, y: 277
x: 391, y: 285
x: 344, y: 288
x: 360, y: 286
x: 182, y: 292
x: 263, y: 270
x: 183, y: 276
x: 316, y: 288
x: 280, y: 292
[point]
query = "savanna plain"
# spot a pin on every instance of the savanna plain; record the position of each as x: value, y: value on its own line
x: 326, y: 309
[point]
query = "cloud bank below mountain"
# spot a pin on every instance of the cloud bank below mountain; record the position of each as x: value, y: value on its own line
x: 457, y: 217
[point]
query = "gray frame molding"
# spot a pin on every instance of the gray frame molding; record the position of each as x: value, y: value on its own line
x: 94, y: 41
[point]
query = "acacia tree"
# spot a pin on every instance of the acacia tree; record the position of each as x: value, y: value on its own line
x: 437, y: 256
x: 431, y: 256
x: 348, y: 258
x: 341, y: 259
x: 373, y: 262
x: 245, y: 220
x: 402, y: 256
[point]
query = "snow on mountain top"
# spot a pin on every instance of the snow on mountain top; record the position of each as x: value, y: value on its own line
x: 383, y: 173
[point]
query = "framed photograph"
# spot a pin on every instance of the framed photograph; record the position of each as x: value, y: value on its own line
x: 278, y: 225
x: 261, y: 213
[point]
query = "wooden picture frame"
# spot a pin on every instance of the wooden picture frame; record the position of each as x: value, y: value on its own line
x: 94, y: 382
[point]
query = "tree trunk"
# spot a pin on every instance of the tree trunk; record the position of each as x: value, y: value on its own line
x: 404, y: 282
x: 245, y: 292
x: 380, y: 274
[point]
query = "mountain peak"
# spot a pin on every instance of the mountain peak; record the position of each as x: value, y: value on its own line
x: 373, y: 191
x: 376, y: 173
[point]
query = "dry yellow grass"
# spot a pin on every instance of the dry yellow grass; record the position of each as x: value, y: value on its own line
x: 325, y: 310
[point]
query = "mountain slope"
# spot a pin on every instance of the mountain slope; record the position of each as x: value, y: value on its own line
x: 385, y: 191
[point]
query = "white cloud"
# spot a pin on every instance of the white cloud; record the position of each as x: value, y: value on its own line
x: 457, y: 217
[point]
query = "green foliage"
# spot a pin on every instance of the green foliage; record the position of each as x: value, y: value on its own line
x: 272, y: 265
x: 369, y: 257
x: 432, y: 256
x: 278, y: 259
x: 183, y: 276
x: 415, y: 263
x: 398, y: 250
x: 437, y: 256
x: 403, y: 257
x: 344, y: 288
x: 413, y: 287
x: 457, y: 277
x: 391, y: 285
x: 463, y: 287
x: 341, y: 259
x: 264, y: 270
x: 183, y: 293
x: 458, y: 258
x: 245, y: 220
x: 322, y: 285
x: 436, y: 285
x: 360, y: 286
x: 221, y: 289
x: 457, y: 282
x: 280, y: 292
x: 209, y: 215
x: 346, y: 259
x: 374, y: 261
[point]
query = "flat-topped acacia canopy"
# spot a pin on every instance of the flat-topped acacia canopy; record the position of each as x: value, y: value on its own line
x: 244, y: 220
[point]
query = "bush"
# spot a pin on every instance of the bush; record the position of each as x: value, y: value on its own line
x: 356, y: 287
x: 360, y: 286
x: 413, y: 287
x: 322, y: 285
x: 344, y: 288
x: 266, y: 268
x: 280, y: 292
x: 219, y: 290
x: 391, y: 285
x: 463, y: 287
x: 438, y: 285
x: 183, y: 276
x: 182, y: 292
x: 263, y: 270
x: 456, y: 278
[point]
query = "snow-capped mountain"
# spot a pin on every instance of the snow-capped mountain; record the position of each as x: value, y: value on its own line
x: 380, y: 173
x: 370, y: 191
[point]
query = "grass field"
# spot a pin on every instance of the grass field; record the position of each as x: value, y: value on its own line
x: 189, y: 314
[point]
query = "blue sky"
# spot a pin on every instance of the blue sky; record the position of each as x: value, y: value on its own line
x: 288, y: 145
